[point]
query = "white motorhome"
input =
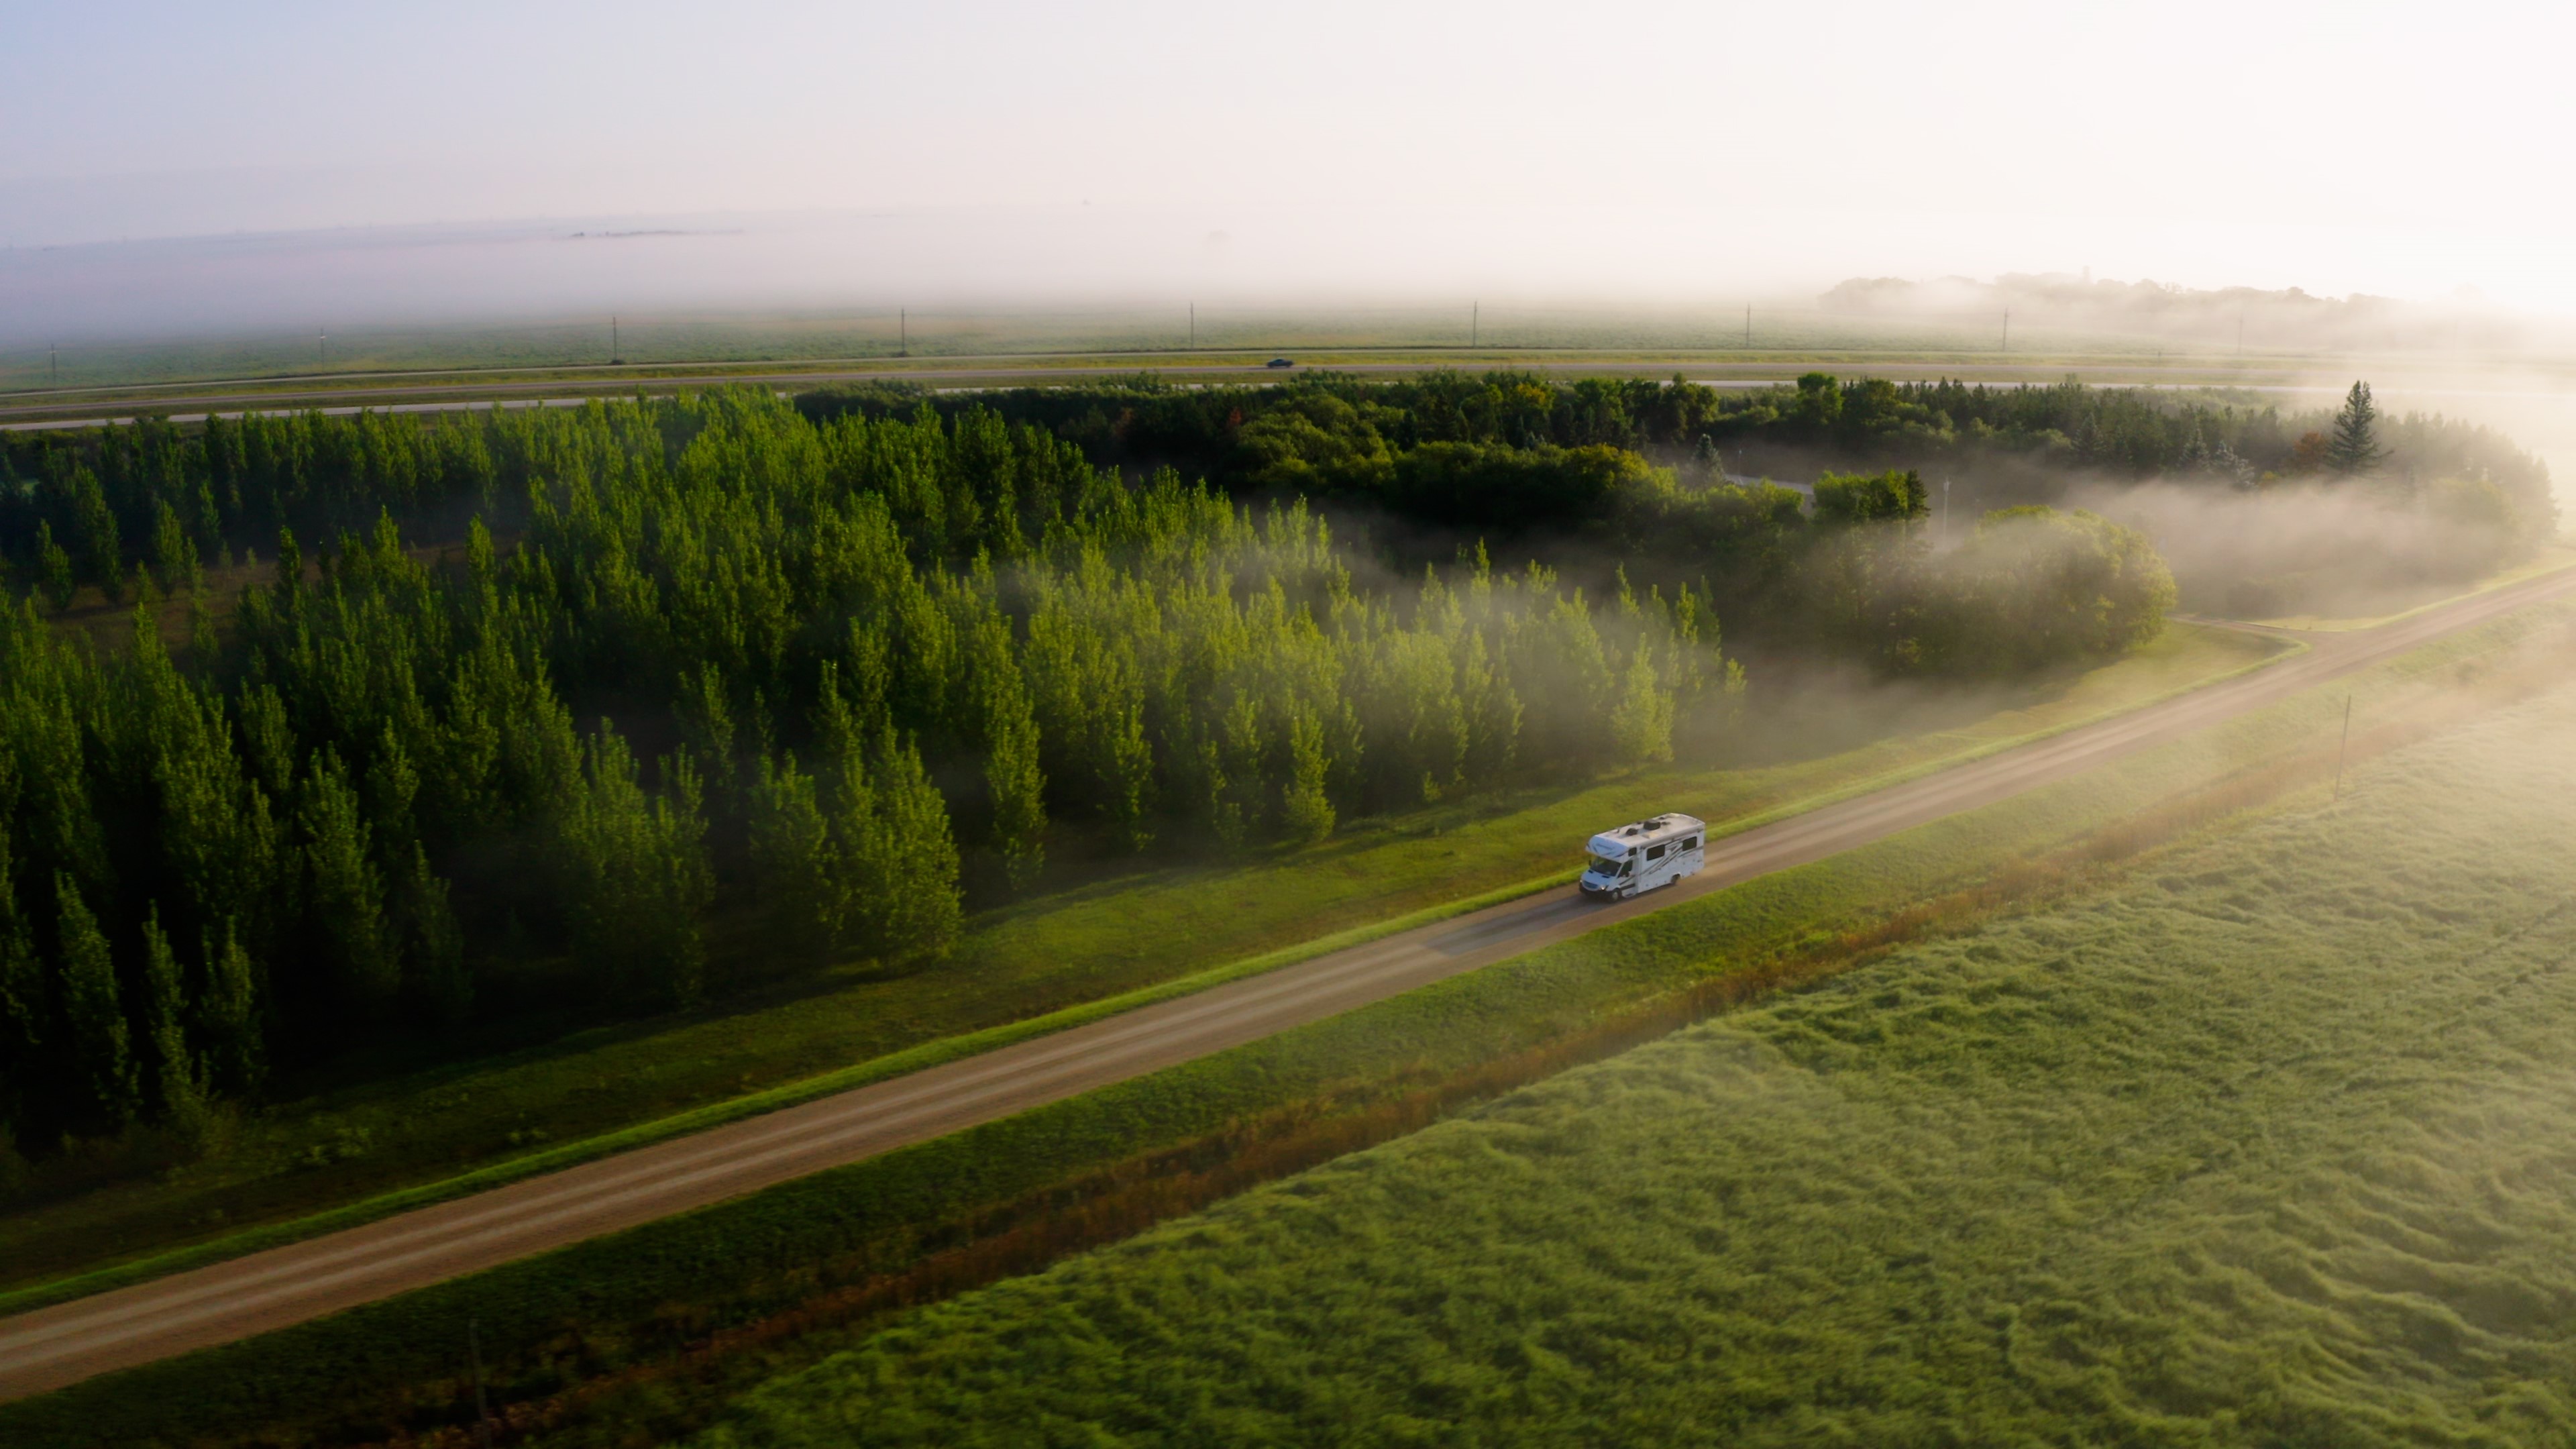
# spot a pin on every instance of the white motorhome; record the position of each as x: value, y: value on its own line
x: 1645, y: 855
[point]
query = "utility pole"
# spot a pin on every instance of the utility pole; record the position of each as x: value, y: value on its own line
x: 1194, y: 327
x: 1945, y: 510
x: 321, y: 348
x: 2341, y: 748
x: 1475, y: 322
x: 616, y: 354
x: 2007, y: 346
x: 902, y: 333
x: 482, y: 1407
x: 2240, y: 335
x: 54, y: 361
x: 1748, y: 325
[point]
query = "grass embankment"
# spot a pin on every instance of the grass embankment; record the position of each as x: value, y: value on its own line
x: 330, y: 1157
x: 2267, y: 1147
x: 745, y: 1278
x: 2400, y: 604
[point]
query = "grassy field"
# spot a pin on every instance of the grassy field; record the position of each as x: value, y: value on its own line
x: 2268, y: 1146
x: 327, y: 1148
x: 631, y: 1339
x: 880, y: 335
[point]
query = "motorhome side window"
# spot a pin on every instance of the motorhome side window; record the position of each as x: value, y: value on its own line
x: 1691, y: 844
x: 1655, y: 852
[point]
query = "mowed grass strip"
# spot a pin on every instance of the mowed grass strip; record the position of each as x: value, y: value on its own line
x: 337, y: 1157
x: 2267, y: 1147
x: 641, y: 1298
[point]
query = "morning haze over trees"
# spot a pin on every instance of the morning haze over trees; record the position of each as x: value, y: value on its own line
x: 528, y: 716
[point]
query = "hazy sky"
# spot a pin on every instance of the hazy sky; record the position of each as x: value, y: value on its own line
x: 1631, y: 149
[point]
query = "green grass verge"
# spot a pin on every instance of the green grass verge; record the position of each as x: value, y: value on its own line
x: 928, y: 1054
x: 338, y: 1158
x: 2551, y: 558
x: 2266, y: 1147
x: 599, y: 1307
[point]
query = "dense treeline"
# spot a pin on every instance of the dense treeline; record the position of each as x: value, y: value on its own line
x: 1326, y: 430
x: 1566, y: 469
x: 707, y: 685
x: 2071, y: 429
x: 2253, y: 507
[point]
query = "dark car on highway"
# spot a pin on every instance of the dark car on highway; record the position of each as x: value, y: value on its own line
x: 1280, y: 362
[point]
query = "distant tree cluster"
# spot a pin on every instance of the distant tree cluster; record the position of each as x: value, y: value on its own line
x: 2134, y: 433
x: 1567, y: 470
x: 703, y: 688
x: 1324, y: 432
x: 2255, y: 509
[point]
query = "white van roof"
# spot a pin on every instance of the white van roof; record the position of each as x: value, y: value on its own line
x: 1619, y: 840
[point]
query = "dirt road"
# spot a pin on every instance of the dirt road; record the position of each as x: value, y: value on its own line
x: 56, y: 1346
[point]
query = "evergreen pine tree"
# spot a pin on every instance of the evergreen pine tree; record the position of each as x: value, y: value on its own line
x: 174, y: 553
x: 639, y: 884
x: 1306, y: 812
x: 101, y: 550
x: 920, y: 907
x: 1018, y: 793
x: 344, y: 896
x: 203, y: 643
x: 707, y: 723
x: 54, y: 568
x: 2355, y: 445
x: 1641, y: 724
x: 795, y: 874
x: 23, y: 1012
x: 92, y: 1010
x: 175, y: 1069
x: 1005, y: 724
x: 228, y: 1017
x: 433, y: 945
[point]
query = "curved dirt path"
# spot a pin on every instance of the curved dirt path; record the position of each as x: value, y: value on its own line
x: 222, y: 1302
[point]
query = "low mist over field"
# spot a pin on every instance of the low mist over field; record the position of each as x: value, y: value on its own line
x: 1135, y: 723
x: 377, y: 168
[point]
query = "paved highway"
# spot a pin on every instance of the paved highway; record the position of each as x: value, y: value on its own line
x: 63, y: 1344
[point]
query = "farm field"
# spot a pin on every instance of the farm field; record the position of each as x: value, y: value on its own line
x: 881, y: 335
x: 2267, y: 1145
x: 332, y: 1146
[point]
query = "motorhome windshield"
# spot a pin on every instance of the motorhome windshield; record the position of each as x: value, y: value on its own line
x: 1608, y: 865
